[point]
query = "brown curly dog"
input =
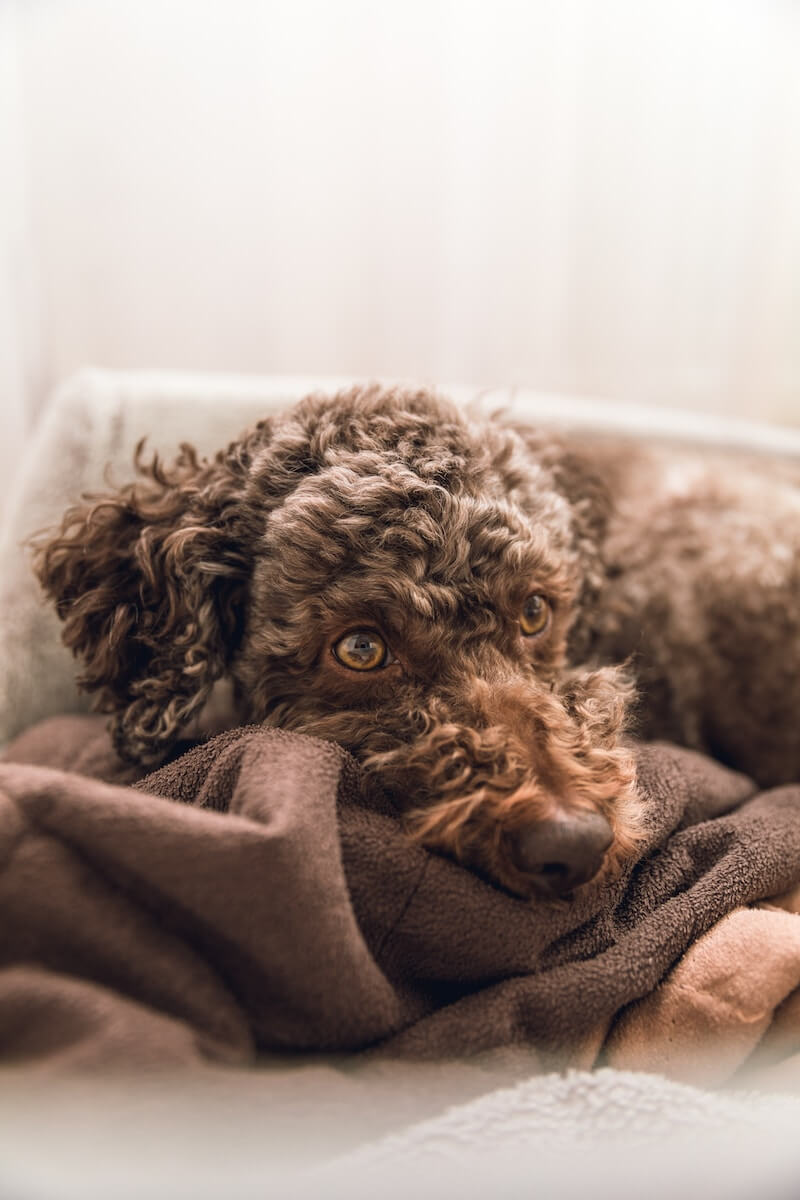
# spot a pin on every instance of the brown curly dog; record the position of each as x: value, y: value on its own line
x: 446, y: 597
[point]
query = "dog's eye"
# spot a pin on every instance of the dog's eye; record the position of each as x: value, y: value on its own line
x: 535, y: 615
x: 362, y: 650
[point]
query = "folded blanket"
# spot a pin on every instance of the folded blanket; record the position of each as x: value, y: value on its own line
x: 277, y: 905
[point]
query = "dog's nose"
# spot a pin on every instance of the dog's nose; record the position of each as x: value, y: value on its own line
x: 563, y: 851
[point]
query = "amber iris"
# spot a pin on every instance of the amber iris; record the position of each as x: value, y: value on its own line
x: 362, y: 650
x: 535, y: 615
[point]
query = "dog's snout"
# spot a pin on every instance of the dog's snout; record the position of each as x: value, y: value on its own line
x: 563, y: 851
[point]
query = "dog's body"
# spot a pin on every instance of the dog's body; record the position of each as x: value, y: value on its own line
x: 448, y: 598
x: 702, y: 592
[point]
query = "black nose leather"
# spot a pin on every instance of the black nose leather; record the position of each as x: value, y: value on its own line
x: 564, y: 851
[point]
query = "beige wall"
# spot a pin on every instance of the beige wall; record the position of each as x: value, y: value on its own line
x: 600, y: 198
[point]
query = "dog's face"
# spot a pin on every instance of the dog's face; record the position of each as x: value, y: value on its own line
x: 379, y: 571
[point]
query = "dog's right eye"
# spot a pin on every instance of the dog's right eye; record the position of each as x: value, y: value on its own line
x: 361, y: 650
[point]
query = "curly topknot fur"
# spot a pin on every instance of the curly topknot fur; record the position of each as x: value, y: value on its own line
x: 389, y: 510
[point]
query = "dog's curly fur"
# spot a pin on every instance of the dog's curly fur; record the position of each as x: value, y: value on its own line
x: 390, y: 510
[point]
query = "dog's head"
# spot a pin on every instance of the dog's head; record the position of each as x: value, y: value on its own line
x: 379, y: 570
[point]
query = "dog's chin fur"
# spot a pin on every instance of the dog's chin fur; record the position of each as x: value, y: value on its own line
x: 389, y: 509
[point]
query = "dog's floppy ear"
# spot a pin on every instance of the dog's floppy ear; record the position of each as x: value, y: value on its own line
x: 583, y: 472
x: 148, y: 580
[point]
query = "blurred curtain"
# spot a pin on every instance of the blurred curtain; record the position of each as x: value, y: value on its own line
x: 593, y: 197
x: 20, y: 333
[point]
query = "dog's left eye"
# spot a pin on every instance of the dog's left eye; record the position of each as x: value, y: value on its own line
x: 362, y: 650
x: 535, y: 615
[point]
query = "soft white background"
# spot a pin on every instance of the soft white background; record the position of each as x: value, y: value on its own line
x: 593, y: 196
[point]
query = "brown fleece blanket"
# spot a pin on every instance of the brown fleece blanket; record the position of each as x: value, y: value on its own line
x: 251, y: 896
